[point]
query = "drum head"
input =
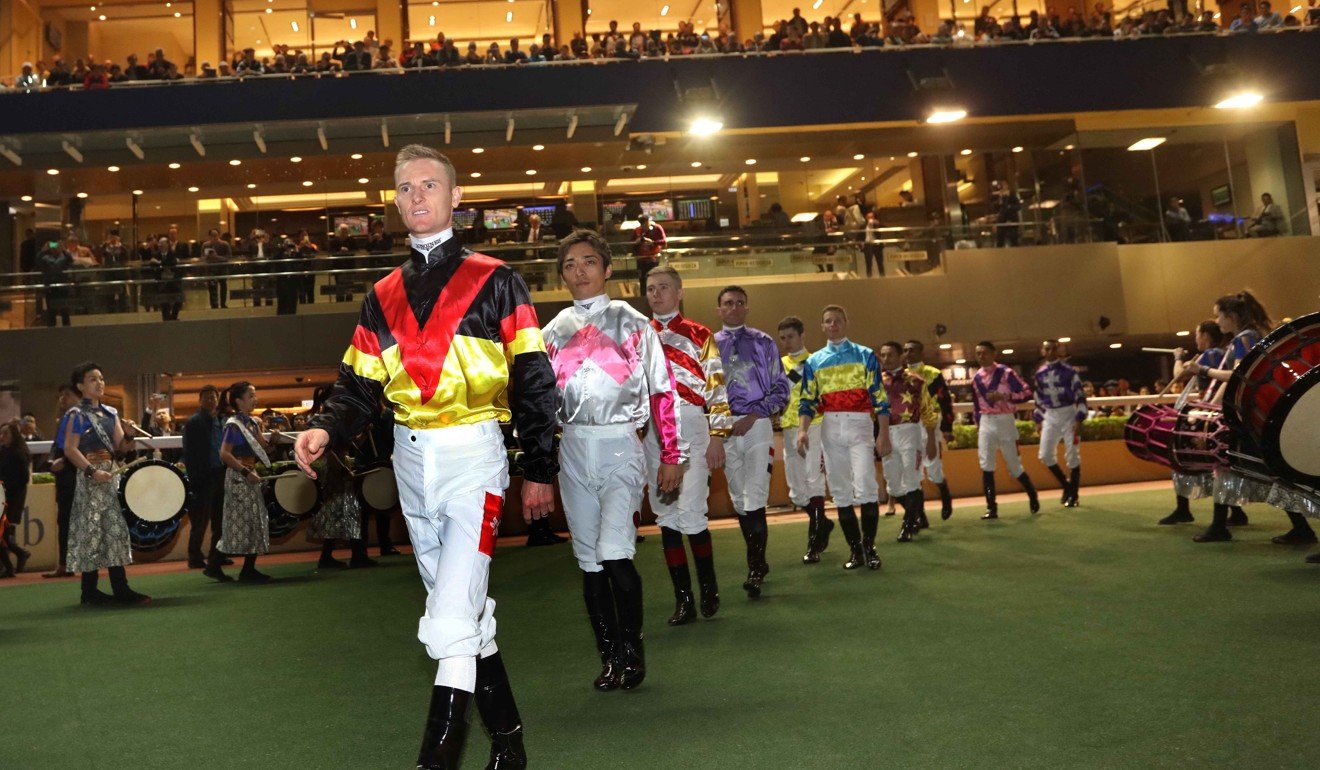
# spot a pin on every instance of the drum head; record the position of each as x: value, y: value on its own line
x: 296, y: 494
x: 154, y: 491
x: 1292, y: 435
x: 379, y: 490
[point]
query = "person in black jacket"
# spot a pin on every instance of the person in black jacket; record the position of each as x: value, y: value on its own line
x: 169, y: 289
x: 54, y: 262
x: 206, y: 477
x: 15, y: 472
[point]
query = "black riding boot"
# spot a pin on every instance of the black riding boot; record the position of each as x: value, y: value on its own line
x: 1300, y: 534
x: 124, y: 594
x: 870, y: 525
x: 1182, y: 513
x: 627, y: 586
x: 1075, y: 479
x: 539, y: 533
x: 919, y: 505
x: 599, y: 598
x: 910, y: 522
x: 705, y: 558
x: 685, y: 609
x: 946, y: 500
x: 446, y: 727
x: 1217, y: 532
x: 1057, y: 473
x: 752, y: 585
x: 988, y: 484
x: 1032, y: 499
x: 852, y: 533
x: 499, y: 714
x: 90, y: 593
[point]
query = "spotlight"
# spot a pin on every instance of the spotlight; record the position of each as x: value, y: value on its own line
x: 176, y: 166
x: 705, y: 126
x: 1148, y: 143
x: 946, y: 116
x: 1240, y: 101
x: 112, y: 169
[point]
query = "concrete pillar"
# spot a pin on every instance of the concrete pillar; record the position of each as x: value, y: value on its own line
x: 570, y: 17
x: 208, y: 34
x: 20, y: 36
x: 747, y: 18
x: 390, y: 23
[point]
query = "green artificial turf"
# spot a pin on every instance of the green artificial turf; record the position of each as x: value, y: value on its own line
x: 1082, y: 638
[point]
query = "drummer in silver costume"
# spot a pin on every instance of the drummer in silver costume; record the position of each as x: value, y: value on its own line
x: 98, y: 534
x: 340, y: 514
x: 1194, y: 486
x: 246, y: 528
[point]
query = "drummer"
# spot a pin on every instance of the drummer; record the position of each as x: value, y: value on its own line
x: 1210, y: 343
x: 98, y: 533
x: 340, y: 515
x: 246, y: 524
x: 1245, y: 318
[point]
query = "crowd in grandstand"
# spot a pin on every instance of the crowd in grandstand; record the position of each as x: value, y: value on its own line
x: 784, y: 35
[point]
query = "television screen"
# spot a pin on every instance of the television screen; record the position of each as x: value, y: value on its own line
x: 546, y: 213
x: 357, y: 223
x: 499, y: 219
x: 465, y: 218
x: 659, y: 211
x: 1221, y: 196
x: 613, y: 211
x: 695, y: 208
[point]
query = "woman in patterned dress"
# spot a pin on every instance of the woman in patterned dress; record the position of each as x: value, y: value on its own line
x: 246, y: 524
x: 98, y: 534
x: 340, y: 515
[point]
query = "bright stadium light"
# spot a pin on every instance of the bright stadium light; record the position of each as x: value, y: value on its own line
x: 1149, y: 143
x: 705, y: 127
x: 946, y: 116
x: 1240, y: 101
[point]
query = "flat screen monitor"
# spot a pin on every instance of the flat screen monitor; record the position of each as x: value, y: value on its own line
x: 357, y: 223
x: 695, y: 208
x: 546, y: 213
x: 613, y: 211
x: 499, y: 219
x: 465, y: 218
x: 659, y: 211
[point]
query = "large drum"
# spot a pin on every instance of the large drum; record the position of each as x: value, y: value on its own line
x: 1273, y: 397
x: 1149, y: 433
x: 376, y: 489
x: 153, y: 496
x: 291, y: 498
x: 1198, y: 440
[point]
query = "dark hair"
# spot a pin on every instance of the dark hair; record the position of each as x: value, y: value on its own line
x: 208, y: 389
x: 18, y: 446
x: 920, y: 345
x: 987, y: 344
x: 794, y: 323
x: 1247, y: 309
x: 1211, y: 329
x: 79, y: 372
x: 897, y: 346
x: 731, y: 287
x: 26, y: 415
x: 589, y: 237
x: 229, y: 401
x: 66, y: 387
x: 834, y: 309
x: 666, y: 270
x: 319, y: 397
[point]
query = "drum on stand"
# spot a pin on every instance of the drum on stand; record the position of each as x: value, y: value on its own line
x: 1274, y: 397
x: 153, y: 497
x: 376, y: 489
x: 1198, y: 442
x: 291, y: 497
x: 1148, y: 433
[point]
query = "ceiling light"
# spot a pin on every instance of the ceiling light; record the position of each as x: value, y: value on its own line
x: 26, y: 198
x: 177, y: 15
x: 1183, y: 333
x: 430, y: 20
x: 696, y: 164
x: 531, y: 172
x: 965, y: 152
x: 294, y: 24
x: 946, y: 346
x: 912, y: 154
x: 641, y: 166
x: 664, y: 10
x: 816, y: 5
x: 1240, y: 101
x: 307, y: 183
x: 295, y: 159
x: 137, y: 192
x: 356, y: 156
x: 53, y: 171
x: 946, y: 116
x: 586, y: 169
x: 1007, y: 351
x: 351, y: 22
x: 858, y: 156
x: 363, y: 180
x: 112, y: 169
x: 538, y: 147
x: 1065, y: 339
x: 476, y: 174
x: 193, y: 189
x: 1115, y: 345
x: 175, y: 166
x: 705, y: 127
x: 101, y: 17
x: 1068, y: 146
x: 235, y: 162
x: 269, y: 11
x: 508, y: 17
x: 82, y: 195
x: 805, y: 158
x: 478, y: 150
x: 750, y: 161
x: 1018, y: 148
x: 93, y: 9
x: 252, y: 186
x: 1148, y: 143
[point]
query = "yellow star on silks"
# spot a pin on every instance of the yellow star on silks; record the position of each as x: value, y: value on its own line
x: 907, y: 398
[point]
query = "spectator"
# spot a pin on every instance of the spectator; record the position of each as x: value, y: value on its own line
x: 1008, y: 213
x: 778, y: 217
x: 472, y: 57
x: 224, y: 70
x: 15, y: 473
x: 249, y: 65
x: 872, y: 249
x: 798, y: 23
x: 27, y: 427
x: 1268, y: 219
x: 1177, y: 222
x: 169, y: 290
x: 29, y: 79
x: 208, y: 72
x: 328, y: 64
x: 59, y: 75
x: 378, y: 241
x: 54, y: 263
x: 384, y: 61
x: 160, y: 66
x: 815, y: 38
x: 1268, y: 18
x: 548, y: 48
x: 216, y: 253
x: 96, y: 77
x: 1244, y: 22
x: 514, y: 55
x: 354, y: 59
x: 837, y: 38
x: 493, y: 55
x: 1045, y: 30
x: 648, y: 242
x: 578, y: 46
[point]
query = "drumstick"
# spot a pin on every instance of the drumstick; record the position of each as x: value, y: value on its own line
x: 1167, y: 387
x: 146, y: 440
x: 1160, y: 350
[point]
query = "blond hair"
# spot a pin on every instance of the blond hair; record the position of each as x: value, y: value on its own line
x: 421, y: 152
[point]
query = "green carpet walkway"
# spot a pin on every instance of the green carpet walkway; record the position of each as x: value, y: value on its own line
x: 1076, y: 638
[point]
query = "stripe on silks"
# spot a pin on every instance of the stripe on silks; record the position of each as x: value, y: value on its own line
x: 490, y: 523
